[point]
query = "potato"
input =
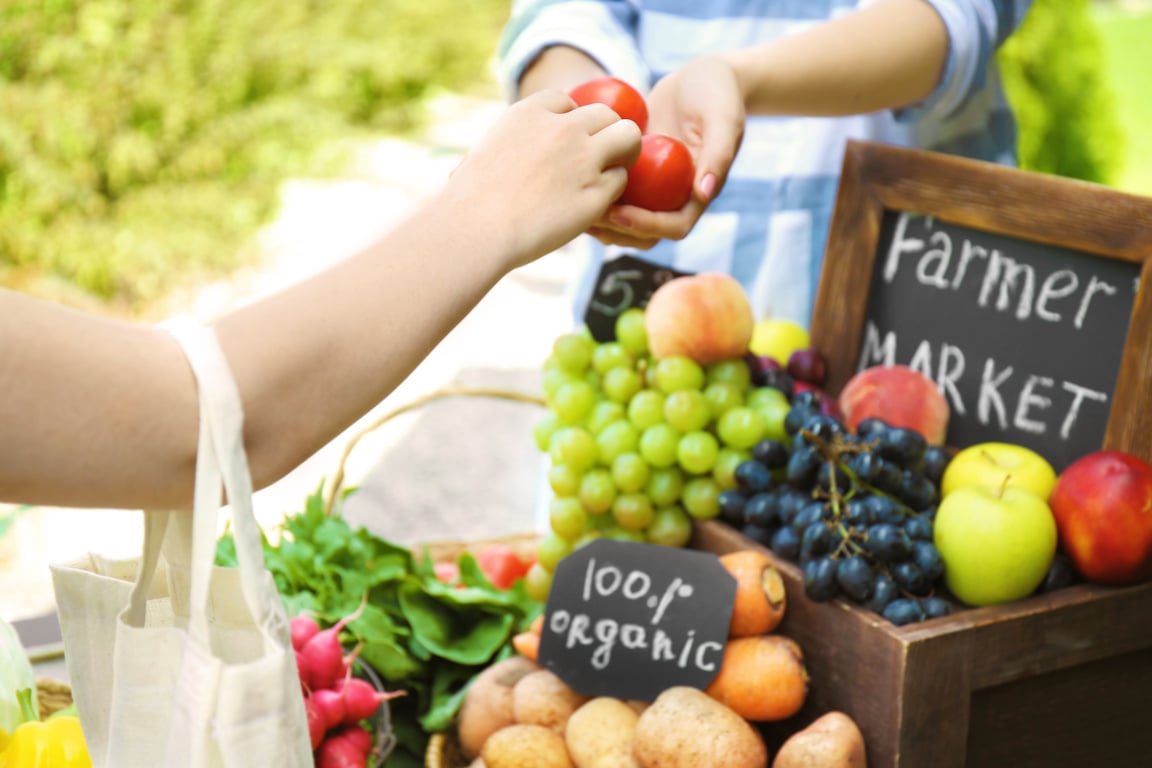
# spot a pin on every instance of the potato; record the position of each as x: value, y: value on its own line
x: 487, y: 706
x: 637, y: 706
x: 599, y: 734
x: 542, y: 698
x: 686, y: 728
x: 525, y: 746
x: 831, y: 741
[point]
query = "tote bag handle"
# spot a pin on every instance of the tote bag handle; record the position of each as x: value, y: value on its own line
x: 221, y: 464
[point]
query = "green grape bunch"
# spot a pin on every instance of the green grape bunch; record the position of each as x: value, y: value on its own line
x: 640, y: 447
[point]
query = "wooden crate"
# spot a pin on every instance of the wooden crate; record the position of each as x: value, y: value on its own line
x: 1063, y: 679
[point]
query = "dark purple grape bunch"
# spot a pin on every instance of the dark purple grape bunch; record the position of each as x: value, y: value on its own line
x: 854, y: 510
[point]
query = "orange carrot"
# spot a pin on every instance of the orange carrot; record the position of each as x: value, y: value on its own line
x: 527, y: 644
x: 760, y: 596
x: 761, y: 678
x: 537, y: 625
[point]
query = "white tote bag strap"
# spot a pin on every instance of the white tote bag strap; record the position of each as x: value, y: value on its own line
x: 155, y: 526
x: 221, y: 458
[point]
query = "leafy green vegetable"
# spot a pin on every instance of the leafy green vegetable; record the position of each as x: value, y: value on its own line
x: 15, y: 673
x: 421, y: 635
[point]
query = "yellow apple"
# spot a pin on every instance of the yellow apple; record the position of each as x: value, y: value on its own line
x: 778, y: 338
x: 997, y: 543
x: 996, y: 464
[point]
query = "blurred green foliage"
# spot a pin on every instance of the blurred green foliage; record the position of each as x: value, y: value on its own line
x: 1056, y: 80
x: 1126, y: 28
x: 145, y: 140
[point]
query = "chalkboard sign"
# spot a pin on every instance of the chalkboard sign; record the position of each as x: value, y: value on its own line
x: 1022, y: 295
x: 623, y: 282
x: 629, y: 620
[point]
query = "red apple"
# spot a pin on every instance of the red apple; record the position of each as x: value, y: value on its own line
x: 706, y: 317
x: 1103, y: 508
x: 900, y: 396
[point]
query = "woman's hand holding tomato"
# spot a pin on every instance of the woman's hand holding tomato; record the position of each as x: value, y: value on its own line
x: 701, y: 103
x: 661, y: 179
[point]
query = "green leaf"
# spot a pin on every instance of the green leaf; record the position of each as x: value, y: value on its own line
x: 449, y: 686
x: 463, y: 636
x: 391, y: 660
x: 422, y: 636
x: 226, y: 552
x: 411, y: 738
x: 8, y: 518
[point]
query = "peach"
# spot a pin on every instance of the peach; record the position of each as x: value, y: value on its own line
x: 898, y: 395
x: 706, y: 317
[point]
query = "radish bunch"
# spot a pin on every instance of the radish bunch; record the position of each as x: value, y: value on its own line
x: 336, y: 703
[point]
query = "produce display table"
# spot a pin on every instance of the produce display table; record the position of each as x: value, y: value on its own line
x: 1054, y: 681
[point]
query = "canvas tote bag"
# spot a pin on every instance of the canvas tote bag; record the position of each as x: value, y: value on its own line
x: 173, y: 661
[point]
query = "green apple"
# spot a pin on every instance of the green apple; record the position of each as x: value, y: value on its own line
x: 997, y: 543
x: 993, y: 464
x: 778, y: 339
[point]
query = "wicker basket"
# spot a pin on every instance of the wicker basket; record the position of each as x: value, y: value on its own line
x: 443, y: 749
x: 52, y: 696
x: 337, y: 484
x: 523, y: 544
x: 444, y: 752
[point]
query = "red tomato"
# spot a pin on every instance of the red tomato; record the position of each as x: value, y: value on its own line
x: 501, y: 565
x: 661, y: 179
x: 624, y: 100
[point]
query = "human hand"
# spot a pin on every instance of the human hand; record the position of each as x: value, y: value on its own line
x: 545, y: 171
x: 701, y: 104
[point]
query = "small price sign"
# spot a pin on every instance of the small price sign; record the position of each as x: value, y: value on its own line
x: 630, y: 620
x: 623, y: 282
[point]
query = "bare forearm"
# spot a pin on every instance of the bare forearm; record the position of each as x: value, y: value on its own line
x: 887, y: 55
x: 95, y: 411
x: 102, y: 413
x: 560, y: 67
x: 357, y: 332
x: 105, y: 413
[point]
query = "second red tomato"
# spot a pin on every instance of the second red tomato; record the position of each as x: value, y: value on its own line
x: 621, y: 97
x: 501, y: 565
x: 661, y: 179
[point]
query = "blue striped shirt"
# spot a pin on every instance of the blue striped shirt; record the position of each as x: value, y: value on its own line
x: 769, y: 226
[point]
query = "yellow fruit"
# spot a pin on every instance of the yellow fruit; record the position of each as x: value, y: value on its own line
x: 778, y: 339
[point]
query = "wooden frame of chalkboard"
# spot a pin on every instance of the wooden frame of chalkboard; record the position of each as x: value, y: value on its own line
x: 1046, y: 215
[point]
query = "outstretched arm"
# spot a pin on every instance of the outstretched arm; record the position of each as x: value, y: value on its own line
x: 102, y: 412
x: 888, y: 54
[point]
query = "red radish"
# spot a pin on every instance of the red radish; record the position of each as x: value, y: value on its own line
x: 358, y: 735
x: 321, y: 660
x: 303, y: 628
x: 361, y: 700
x: 300, y: 668
x: 331, y: 706
x: 339, y: 752
x: 317, y: 726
